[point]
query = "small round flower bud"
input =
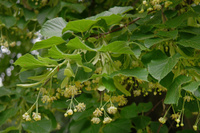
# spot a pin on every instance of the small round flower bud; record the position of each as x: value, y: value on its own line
x: 112, y: 110
x: 195, y: 127
x: 107, y: 120
x: 70, y: 112
x: 66, y: 114
x: 95, y: 120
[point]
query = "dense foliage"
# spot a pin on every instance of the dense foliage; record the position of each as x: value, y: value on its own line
x: 132, y: 66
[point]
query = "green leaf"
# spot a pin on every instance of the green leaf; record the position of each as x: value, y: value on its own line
x: 140, y: 73
x: 79, y: 25
x: 170, y: 34
x: 48, y: 43
x: 82, y: 75
x: 40, y: 77
x: 192, y: 30
x: 129, y: 111
x: 64, y: 82
x: 5, y: 115
x: 68, y: 72
x: 47, y: 60
x: 93, y: 128
x: 121, y: 87
x: 28, y: 14
x: 155, y: 126
x: 23, y: 76
x: 177, y: 21
x: 118, y: 126
x: 77, y: 44
x: 55, y: 53
x: 109, y: 84
x: 109, y: 17
x: 53, y: 27
x: 141, y: 121
x: 28, y: 61
x: 9, y: 21
x: 144, y: 107
x: 6, y: 3
x: 77, y: 7
x: 10, y: 129
x: 193, y: 42
x: 54, y: 11
x: 21, y: 23
x: 43, y: 126
x: 77, y: 126
x: 119, y: 47
x: 2, y: 107
x: 4, y: 91
x: 43, y: 13
x: 173, y: 91
x: 152, y: 41
x: 120, y: 10
x: 141, y: 36
x: 192, y: 86
x: 159, y: 68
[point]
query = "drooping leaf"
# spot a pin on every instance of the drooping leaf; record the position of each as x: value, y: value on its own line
x: 193, y: 86
x: 141, y: 121
x: 118, y: 126
x: 10, y: 129
x: 193, y: 42
x: 109, y: 84
x: 2, y: 107
x: 173, y: 91
x: 28, y: 61
x: 77, y: 44
x: 192, y: 30
x: 119, y: 47
x: 79, y: 25
x: 8, y: 113
x: 9, y: 21
x: 140, y: 73
x: 159, y: 68
x: 55, y: 53
x: 172, y: 23
x: 120, y: 10
x: 93, y: 128
x: 77, y: 7
x: 6, y: 3
x: 23, y: 76
x: 4, y: 91
x: 21, y: 23
x: 152, y: 41
x: 43, y: 126
x: 120, y: 87
x: 144, y: 107
x: 77, y: 126
x: 48, y: 43
x: 40, y: 77
x: 82, y: 75
x: 47, y: 60
x: 53, y: 27
x: 171, y: 34
x: 155, y: 127
x: 28, y: 14
x: 129, y: 111
x: 141, y: 36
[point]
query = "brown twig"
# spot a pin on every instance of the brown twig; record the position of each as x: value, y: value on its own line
x: 117, y: 29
